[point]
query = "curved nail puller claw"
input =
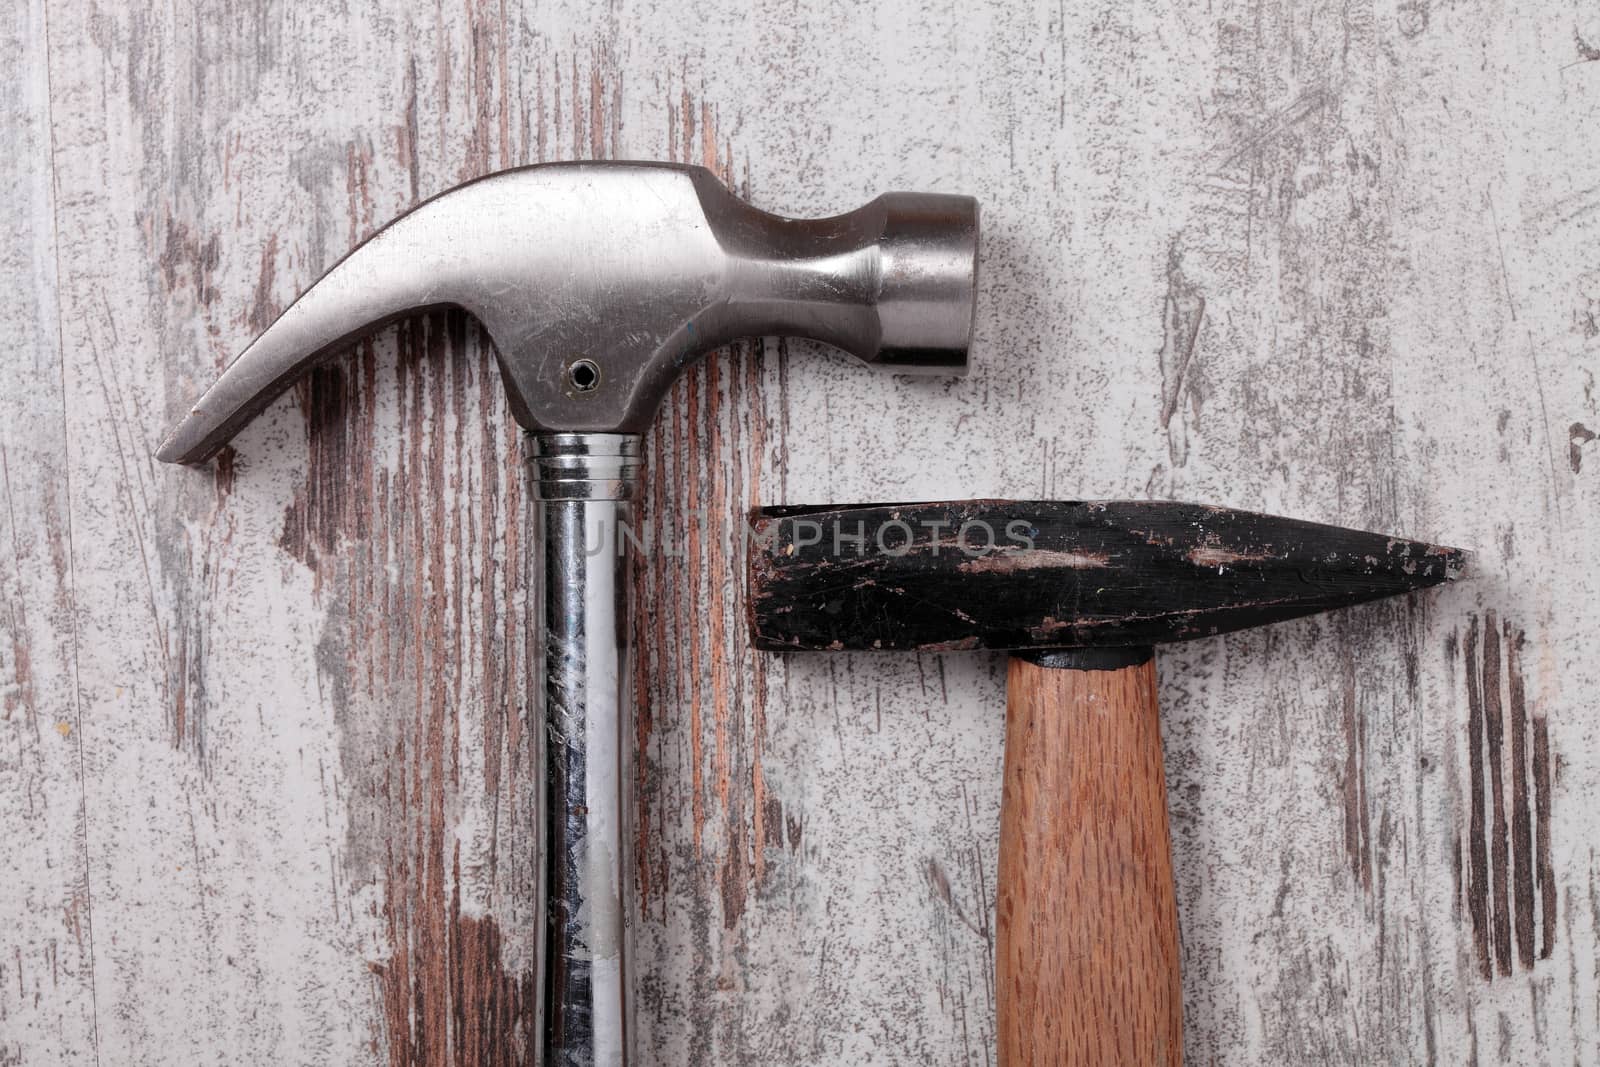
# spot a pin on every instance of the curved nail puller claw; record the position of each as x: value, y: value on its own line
x: 599, y: 283
x: 635, y: 269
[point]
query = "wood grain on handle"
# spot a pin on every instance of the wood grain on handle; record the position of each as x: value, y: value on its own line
x: 1086, y: 967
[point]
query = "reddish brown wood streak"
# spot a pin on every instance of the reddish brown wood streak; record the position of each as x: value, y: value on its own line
x: 697, y: 492
x: 1494, y: 722
x: 653, y: 672
x: 686, y: 442
x: 1477, y: 844
x: 1510, y: 876
x: 1547, y: 874
x: 408, y: 665
x: 1521, y: 817
x: 761, y: 827
x: 721, y: 568
x: 646, y: 665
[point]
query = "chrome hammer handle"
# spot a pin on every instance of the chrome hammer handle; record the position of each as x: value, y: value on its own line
x: 582, y: 485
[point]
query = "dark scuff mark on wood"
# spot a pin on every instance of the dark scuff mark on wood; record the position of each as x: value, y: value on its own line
x: 186, y: 259
x: 1357, y: 817
x: 316, y: 520
x: 1587, y: 53
x: 1578, y: 435
x: 1278, y: 124
x: 264, y: 305
x: 1477, y: 841
x: 1499, y: 833
x: 1182, y: 312
x: 647, y: 666
x: 1521, y: 816
x: 1546, y: 868
x: 227, y: 472
x: 1510, y: 888
x: 735, y: 879
x: 189, y: 703
x: 939, y: 883
x: 655, y: 674
x: 406, y: 132
x: 772, y: 821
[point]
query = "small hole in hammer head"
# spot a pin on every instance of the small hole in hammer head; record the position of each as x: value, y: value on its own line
x: 584, y: 374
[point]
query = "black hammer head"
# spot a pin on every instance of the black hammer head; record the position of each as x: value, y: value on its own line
x: 599, y: 282
x: 1021, y: 574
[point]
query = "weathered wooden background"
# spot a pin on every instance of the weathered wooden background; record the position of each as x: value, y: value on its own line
x: 264, y: 782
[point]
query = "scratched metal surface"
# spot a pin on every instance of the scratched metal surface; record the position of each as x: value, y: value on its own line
x: 264, y: 781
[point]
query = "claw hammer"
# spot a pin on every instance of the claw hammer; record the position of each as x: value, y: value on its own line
x: 599, y: 283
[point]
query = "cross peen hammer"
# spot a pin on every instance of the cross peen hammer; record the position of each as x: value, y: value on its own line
x: 1086, y: 953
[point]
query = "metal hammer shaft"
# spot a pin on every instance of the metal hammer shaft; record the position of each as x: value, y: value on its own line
x: 582, y: 487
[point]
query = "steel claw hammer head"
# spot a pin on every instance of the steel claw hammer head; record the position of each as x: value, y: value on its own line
x: 1086, y: 950
x: 600, y: 282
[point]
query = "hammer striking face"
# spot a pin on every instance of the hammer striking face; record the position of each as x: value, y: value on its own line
x: 1086, y: 948
x: 599, y: 283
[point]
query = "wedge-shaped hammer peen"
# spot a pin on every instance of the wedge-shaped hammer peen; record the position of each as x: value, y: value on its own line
x: 1086, y: 953
x: 599, y: 283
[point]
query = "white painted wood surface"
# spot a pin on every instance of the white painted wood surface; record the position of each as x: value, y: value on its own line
x: 264, y: 784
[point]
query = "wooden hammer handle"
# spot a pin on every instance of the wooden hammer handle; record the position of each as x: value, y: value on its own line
x: 1086, y: 963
